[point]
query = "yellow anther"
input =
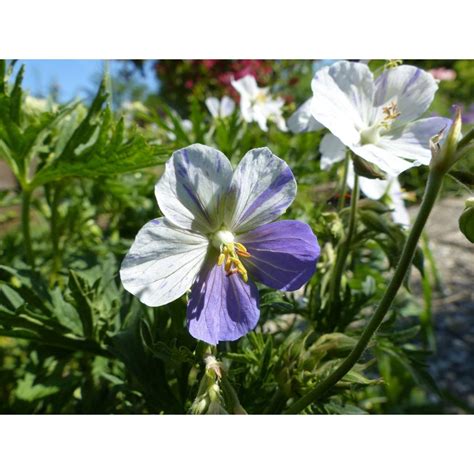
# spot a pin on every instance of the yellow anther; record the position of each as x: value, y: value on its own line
x: 391, y: 111
x: 241, y: 250
x: 240, y: 247
x: 229, y: 256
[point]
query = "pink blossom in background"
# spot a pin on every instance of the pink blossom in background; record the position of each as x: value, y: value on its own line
x: 443, y: 74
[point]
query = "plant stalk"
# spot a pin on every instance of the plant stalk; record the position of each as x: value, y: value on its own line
x: 435, y: 180
x: 343, y: 187
x: 335, y: 284
x: 25, y: 225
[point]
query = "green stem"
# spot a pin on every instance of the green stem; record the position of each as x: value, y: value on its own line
x: 435, y: 180
x: 54, y: 232
x: 335, y: 284
x: 342, y: 195
x: 25, y: 225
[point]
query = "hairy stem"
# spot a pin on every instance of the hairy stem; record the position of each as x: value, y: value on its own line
x: 435, y: 180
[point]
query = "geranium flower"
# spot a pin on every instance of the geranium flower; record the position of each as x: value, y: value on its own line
x: 378, y: 118
x: 217, y: 236
x: 257, y: 105
x: 333, y: 151
x: 220, y: 108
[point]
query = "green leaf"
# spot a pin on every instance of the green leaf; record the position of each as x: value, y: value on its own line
x: 80, y: 292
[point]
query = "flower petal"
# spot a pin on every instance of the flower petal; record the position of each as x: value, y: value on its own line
x: 332, y: 151
x: 303, y: 121
x: 413, y: 141
x: 227, y: 106
x: 283, y: 254
x: 343, y: 99
x: 213, y: 104
x: 385, y: 160
x: 191, y: 191
x: 262, y: 188
x: 221, y: 307
x: 399, y: 213
x: 246, y: 86
x: 411, y: 88
x: 372, y: 188
x: 162, y: 262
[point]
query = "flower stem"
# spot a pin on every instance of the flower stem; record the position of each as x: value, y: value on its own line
x: 435, y: 180
x: 335, y: 284
x: 342, y: 195
x: 54, y: 225
x: 25, y: 225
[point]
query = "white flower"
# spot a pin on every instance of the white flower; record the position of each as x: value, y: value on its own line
x: 257, y: 105
x: 378, y: 118
x: 333, y: 151
x: 303, y: 121
x: 220, y: 108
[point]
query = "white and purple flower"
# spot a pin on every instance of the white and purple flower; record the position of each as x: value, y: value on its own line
x: 257, y: 104
x: 217, y: 235
x: 333, y: 151
x: 378, y: 119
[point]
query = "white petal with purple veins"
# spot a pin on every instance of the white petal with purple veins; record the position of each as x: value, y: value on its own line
x: 413, y: 141
x: 192, y: 189
x: 411, y: 88
x: 263, y: 186
x: 162, y: 262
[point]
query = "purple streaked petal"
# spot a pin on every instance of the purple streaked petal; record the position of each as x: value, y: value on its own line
x: 413, y: 141
x: 191, y: 189
x: 283, y: 254
x: 411, y: 88
x: 221, y: 307
x: 263, y: 187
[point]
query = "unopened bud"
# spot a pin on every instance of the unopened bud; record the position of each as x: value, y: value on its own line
x: 366, y: 169
x: 444, y: 156
x: 466, y: 221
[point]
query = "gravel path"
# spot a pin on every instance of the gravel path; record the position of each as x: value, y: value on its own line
x: 452, y: 365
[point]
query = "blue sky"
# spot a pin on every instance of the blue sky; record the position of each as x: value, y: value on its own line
x: 74, y: 77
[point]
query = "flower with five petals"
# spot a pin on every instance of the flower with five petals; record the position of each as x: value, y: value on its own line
x: 218, y: 234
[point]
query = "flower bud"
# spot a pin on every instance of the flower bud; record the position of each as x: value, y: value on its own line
x: 466, y: 220
x: 444, y: 156
x: 366, y: 169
